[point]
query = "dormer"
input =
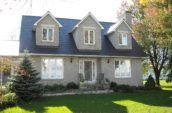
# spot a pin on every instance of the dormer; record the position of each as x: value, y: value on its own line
x: 120, y: 34
x: 47, y: 31
x: 87, y: 33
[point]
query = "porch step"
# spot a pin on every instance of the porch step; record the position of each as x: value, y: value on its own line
x: 91, y: 87
x: 87, y: 87
x: 80, y: 92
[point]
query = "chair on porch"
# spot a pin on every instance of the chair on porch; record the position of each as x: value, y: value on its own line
x: 84, y: 84
x: 81, y: 83
x: 100, y: 81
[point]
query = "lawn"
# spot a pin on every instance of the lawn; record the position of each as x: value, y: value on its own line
x: 137, y: 102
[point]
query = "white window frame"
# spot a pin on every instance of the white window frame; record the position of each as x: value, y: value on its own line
x: 81, y: 71
x: 120, y: 75
x: 48, y: 78
x: 48, y: 27
x: 89, y: 29
x: 121, y: 35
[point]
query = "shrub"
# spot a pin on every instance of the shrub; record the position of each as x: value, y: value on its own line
x: 125, y: 88
x: 72, y: 85
x: 113, y: 85
x: 121, y: 88
x: 9, y: 100
x: 54, y: 88
x: 150, y: 83
x: 3, y: 90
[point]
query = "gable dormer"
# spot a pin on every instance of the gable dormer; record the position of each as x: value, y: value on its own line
x: 120, y: 34
x: 87, y: 33
x: 47, y: 31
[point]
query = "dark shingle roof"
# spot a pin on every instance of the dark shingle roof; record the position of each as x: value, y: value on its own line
x: 66, y: 42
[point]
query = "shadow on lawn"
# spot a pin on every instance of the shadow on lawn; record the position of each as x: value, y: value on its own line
x: 102, y: 103
x: 78, y: 104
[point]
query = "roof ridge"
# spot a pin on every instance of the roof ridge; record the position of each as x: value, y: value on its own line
x: 68, y: 19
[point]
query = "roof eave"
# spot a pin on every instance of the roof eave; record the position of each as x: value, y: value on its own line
x: 89, y: 14
x: 120, y: 22
x: 47, y: 13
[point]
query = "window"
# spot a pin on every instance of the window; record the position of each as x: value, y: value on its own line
x: 47, y: 33
x: 52, y: 68
x: 89, y: 37
x: 122, y: 68
x: 123, y: 39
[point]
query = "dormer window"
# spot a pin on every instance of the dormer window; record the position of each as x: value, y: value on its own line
x: 48, y: 33
x: 123, y: 38
x: 89, y: 36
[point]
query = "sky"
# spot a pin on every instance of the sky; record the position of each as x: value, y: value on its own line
x: 11, y: 12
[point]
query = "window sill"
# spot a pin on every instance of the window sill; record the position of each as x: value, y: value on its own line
x: 47, y: 41
x: 89, y: 44
x: 123, y: 45
x: 122, y: 76
x: 51, y: 78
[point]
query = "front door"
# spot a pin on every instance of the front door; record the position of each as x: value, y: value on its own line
x: 89, y: 70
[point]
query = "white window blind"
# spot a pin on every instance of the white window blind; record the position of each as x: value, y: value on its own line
x: 122, y: 68
x: 52, y: 68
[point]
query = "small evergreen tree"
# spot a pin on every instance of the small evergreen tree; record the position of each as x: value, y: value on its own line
x: 150, y: 83
x: 25, y: 82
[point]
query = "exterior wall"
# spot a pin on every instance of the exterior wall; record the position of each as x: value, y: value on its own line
x: 79, y: 35
x: 47, y: 21
x: 71, y: 70
x: 114, y: 37
x: 136, y: 72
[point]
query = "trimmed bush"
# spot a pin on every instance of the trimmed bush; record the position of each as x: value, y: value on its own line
x: 113, y: 84
x: 3, y: 90
x: 72, y: 85
x: 121, y: 88
x: 150, y: 83
x: 9, y: 100
x: 54, y: 88
x: 125, y: 88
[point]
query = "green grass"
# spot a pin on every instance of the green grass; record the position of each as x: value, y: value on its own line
x: 137, y: 102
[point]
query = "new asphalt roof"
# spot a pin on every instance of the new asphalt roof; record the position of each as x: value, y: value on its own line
x: 66, y: 42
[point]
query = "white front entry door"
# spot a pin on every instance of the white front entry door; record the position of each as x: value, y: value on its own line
x: 89, y: 70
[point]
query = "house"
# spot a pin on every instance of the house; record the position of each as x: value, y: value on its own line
x: 62, y: 49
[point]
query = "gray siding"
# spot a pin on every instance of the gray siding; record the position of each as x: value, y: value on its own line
x: 71, y: 70
x: 114, y: 37
x: 136, y: 72
x: 47, y: 21
x: 78, y: 35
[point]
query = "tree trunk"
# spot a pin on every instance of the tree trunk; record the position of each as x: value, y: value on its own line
x: 157, y: 75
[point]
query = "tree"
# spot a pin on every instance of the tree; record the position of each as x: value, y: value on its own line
x: 152, y: 34
x: 167, y: 25
x: 5, y: 67
x: 25, y: 82
x: 152, y: 25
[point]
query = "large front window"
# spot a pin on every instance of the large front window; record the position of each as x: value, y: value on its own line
x: 47, y: 33
x: 89, y: 37
x: 122, y: 68
x: 52, y: 68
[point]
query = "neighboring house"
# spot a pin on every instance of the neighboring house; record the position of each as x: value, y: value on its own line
x: 62, y: 49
